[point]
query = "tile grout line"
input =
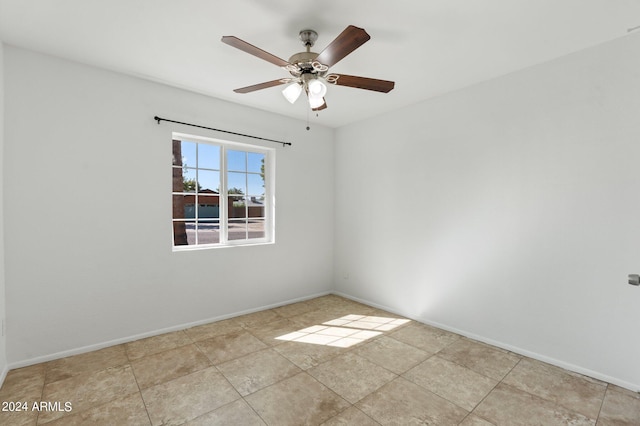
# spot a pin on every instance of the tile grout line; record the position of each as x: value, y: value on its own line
x: 254, y: 410
x: 243, y: 397
x: 355, y: 408
x: 238, y: 392
x: 469, y: 412
x: 139, y: 391
x: 133, y: 372
x: 602, y: 403
x: 477, y: 372
x: 159, y: 352
x: 44, y: 383
x: 493, y: 388
x: 554, y: 402
x: 146, y: 410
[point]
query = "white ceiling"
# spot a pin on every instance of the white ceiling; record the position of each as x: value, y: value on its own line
x: 428, y: 47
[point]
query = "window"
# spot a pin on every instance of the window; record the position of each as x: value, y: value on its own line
x: 222, y: 193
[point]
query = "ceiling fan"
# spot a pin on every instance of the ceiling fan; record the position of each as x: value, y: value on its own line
x: 310, y: 71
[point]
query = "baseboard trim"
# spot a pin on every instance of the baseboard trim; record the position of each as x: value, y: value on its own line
x: 97, y: 346
x: 635, y: 387
x: 3, y: 374
x: 540, y: 357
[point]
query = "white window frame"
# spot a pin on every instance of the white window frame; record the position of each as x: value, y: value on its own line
x: 223, y: 197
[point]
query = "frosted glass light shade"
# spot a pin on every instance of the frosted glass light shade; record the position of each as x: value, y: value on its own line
x: 316, y: 88
x: 292, y: 92
x: 315, y: 101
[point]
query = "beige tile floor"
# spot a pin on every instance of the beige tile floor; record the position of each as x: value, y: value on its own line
x: 326, y: 361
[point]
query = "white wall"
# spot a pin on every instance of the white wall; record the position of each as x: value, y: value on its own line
x: 3, y: 340
x: 87, y: 210
x: 508, y: 211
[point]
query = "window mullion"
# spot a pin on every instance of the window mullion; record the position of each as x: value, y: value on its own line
x: 224, y: 199
x: 267, y: 198
x: 246, y: 196
x: 196, y: 205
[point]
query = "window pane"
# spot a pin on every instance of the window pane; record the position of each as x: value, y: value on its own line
x: 208, y: 232
x: 208, y: 207
x: 255, y: 184
x: 236, y: 160
x: 183, y: 233
x: 179, y: 202
x: 190, y: 207
x: 237, y: 229
x: 256, y: 228
x: 208, y: 181
x: 236, y: 183
x: 191, y: 232
x: 237, y: 206
x: 255, y: 162
x: 188, y: 154
x: 184, y: 153
x: 176, y: 149
x: 255, y: 208
x: 184, y: 180
x: 177, y: 179
x: 208, y: 156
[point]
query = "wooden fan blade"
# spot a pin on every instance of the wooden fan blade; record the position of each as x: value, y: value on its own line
x: 260, y: 86
x: 348, y: 41
x: 255, y: 51
x: 384, y: 86
x: 321, y: 107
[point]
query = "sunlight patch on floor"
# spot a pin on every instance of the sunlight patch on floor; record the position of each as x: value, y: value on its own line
x: 345, y: 331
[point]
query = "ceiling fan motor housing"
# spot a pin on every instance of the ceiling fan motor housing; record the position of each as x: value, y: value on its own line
x: 302, y: 63
x: 308, y: 38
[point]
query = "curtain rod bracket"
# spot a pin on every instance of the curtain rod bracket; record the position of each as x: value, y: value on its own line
x: 159, y: 119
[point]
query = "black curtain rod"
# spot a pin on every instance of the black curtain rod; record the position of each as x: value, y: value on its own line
x: 158, y: 119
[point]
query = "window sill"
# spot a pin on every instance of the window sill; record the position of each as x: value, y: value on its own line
x: 216, y: 247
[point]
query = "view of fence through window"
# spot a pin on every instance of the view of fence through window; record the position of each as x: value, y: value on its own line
x: 219, y: 194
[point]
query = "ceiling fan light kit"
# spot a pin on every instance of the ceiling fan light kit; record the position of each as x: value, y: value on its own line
x: 315, y: 102
x: 316, y: 88
x: 292, y: 92
x: 309, y: 70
